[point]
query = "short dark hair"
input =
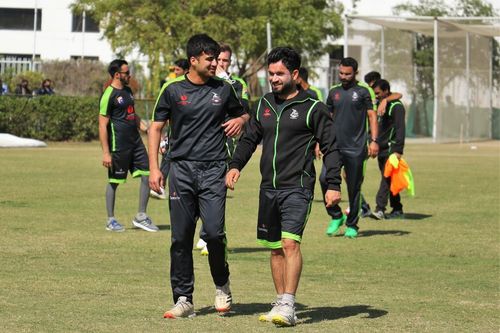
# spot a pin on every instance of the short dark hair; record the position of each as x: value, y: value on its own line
x: 202, y: 43
x: 303, y: 73
x: 226, y: 48
x: 182, y: 63
x: 372, y: 77
x: 115, y: 66
x: 382, y: 84
x: 349, y: 62
x: 287, y: 55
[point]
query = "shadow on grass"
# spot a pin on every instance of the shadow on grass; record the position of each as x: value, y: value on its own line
x: 305, y: 314
x: 313, y: 315
x: 415, y: 216
x: 407, y: 216
x: 163, y: 226
x: 248, y: 249
x: 369, y: 233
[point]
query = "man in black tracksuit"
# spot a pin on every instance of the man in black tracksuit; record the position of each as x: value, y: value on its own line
x: 391, y: 139
x: 352, y: 106
x: 289, y: 122
x: 196, y: 105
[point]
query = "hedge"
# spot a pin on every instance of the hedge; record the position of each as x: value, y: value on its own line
x: 56, y: 118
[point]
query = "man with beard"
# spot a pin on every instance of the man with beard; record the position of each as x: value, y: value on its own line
x: 196, y: 105
x: 288, y: 122
x: 123, y: 150
x: 352, y: 104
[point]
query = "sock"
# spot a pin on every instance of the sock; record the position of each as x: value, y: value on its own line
x: 288, y: 298
x: 111, y: 218
x: 143, y: 194
x: 110, y: 198
x: 141, y: 216
x: 279, y: 297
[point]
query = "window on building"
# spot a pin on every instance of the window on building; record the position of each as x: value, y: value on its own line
x: 20, y: 19
x: 90, y: 58
x: 90, y: 24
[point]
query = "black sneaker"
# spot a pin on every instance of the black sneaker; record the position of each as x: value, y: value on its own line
x: 395, y: 214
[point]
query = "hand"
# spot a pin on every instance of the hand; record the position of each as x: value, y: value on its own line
x: 232, y: 178
x: 221, y: 73
x: 381, y: 107
x: 373, y: 149
x: 233, y: 126
x: 332, y: 198
x: 156, y: 180
x: 106, y: 160
x: 398, y: 155
x: 317, y: 152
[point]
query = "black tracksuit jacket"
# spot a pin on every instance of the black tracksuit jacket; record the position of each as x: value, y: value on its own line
x: 289, y: 131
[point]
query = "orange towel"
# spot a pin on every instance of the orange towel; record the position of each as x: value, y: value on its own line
x: 401, y: 175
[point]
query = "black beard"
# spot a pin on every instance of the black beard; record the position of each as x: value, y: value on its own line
x: 287, y: 89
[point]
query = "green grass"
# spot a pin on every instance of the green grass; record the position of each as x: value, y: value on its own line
x: 435, y: 271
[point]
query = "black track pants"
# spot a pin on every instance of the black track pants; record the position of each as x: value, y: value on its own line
x: 197, y: 189
x: 354, y: 166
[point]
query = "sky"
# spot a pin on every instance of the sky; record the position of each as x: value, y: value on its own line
x: 384, y: 7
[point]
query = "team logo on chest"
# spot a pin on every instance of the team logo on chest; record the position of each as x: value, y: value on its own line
x: 119, y: 100
x: 184, y: 100
x: 216, y: 100
x: 267, y: 113
x: 355, y: 96
x: 294, y: 114
x: 336, y: 96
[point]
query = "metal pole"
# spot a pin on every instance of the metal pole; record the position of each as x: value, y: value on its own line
x: 83, y: 34
x: 35, y: 23
x: 490, y: 79
x: 346, y: 36
x: 382, y: 55
x: 269, y: 47
x: 467, y: 85
x: 436, y: 81
x: 269, y: 40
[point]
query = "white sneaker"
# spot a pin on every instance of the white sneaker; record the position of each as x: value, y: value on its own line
x: 223, y: 298
x: 145, y: 224
x: 285, y: 315
x: 201, y: 244
x: 182, y: 309
x: 269, y: 316
x: 156, y: 195
x: 378, y: 214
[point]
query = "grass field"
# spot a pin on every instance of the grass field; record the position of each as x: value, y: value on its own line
x: 435, y: 271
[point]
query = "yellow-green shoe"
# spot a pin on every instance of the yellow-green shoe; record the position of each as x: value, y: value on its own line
x: 351, y: 233
x: 335, y: 225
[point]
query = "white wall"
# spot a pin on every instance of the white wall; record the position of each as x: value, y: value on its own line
x: 55, y: 40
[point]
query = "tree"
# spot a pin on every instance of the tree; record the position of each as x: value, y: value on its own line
x: 160, y: 29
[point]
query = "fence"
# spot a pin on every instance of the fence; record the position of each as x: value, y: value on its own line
x: 15, y: 66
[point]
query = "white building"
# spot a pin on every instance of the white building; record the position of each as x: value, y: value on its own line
x: 59, y: 34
